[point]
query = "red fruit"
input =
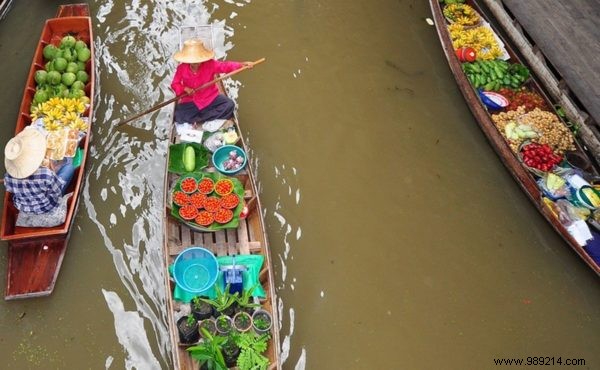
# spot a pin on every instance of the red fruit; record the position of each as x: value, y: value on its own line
x: 466, y: 54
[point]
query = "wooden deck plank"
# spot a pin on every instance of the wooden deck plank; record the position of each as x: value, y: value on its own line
x: 242, y: 232
x: 568, y: 33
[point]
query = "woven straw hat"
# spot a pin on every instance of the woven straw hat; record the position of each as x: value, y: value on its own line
x: 24, y: 153
x: 193, y: 51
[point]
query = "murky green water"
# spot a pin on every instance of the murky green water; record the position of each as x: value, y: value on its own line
x: 399, y: 239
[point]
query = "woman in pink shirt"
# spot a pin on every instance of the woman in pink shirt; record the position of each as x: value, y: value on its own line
x: 197, y: 68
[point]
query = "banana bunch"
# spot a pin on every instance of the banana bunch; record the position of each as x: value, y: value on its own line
x: 492, y: 75
x: 61, y: 112
x: 481, y: 38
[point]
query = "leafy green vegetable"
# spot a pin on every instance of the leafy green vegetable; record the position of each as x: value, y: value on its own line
x: 252, y: 347
x: 176, y: 155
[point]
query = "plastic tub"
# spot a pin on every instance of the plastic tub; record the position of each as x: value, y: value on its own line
x: 195, y: 270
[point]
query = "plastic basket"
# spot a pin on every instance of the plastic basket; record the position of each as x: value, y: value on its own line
x: 195, y: 270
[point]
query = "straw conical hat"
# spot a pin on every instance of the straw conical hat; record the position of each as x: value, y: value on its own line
x: 24, y: 153
x: 193, y: 51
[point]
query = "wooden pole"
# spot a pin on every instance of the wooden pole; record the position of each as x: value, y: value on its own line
x: 190, y: 93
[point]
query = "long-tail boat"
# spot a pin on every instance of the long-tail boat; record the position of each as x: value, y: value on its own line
x: 522, y: 174
x: 35, y: 254
x: 248, y: 238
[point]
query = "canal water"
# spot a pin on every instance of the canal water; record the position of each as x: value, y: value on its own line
x: 399, y: 240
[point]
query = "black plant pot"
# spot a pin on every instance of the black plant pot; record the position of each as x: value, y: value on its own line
x: 229, y: 311
x: 231, y: 352
x: 188, y: 334
x: 201, y: 310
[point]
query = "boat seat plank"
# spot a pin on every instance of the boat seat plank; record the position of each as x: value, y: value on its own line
x: 221, y: 243
x: 244, y: 241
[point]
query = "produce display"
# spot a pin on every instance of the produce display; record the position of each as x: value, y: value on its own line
x: 206, y: 186
x: 523, y: 97
x: 539, y: 156
x: 234, y: 162
x: 223, y: 187
x: 64, y: 74
x: 548, y: 127
x: 196, y: 201
x: 495, y: 74
x: 482, y: 39
x: 462, y: 14
x: 58, y: 113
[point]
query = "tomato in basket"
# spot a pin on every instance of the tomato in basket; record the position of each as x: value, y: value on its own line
x: 180, y: 198
x: 212, y: 204
x: 230, y: 201
x: 197, y: 200
x: 206, y: 186
x: 224, y: 187
x: 188, y: 185
x: 204, y: 218
x: 188, y: 212
x: 223, y: 216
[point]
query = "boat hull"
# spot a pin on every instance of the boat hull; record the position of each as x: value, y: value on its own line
x: 521, y: 175
x: 35, y: 254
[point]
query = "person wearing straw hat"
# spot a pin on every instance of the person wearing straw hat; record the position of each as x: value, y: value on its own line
x: 35, y: 189
x: 198, y: 67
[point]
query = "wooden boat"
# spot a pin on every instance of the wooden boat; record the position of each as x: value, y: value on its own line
x: 4, y: 7
x: 521, y: 174
x: 248, y: 238
x: 35, y: 254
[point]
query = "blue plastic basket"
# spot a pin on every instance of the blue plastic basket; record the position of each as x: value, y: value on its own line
x: 195, y: 270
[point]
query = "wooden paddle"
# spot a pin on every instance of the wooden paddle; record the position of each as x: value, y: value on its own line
x: 222, y: 77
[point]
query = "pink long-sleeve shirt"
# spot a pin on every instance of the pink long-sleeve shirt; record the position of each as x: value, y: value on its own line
x: 185, y: 77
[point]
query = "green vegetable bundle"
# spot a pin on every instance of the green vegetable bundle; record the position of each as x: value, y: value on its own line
x: 492, y: 75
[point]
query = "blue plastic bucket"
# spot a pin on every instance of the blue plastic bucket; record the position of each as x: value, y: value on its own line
x: 195, y: 270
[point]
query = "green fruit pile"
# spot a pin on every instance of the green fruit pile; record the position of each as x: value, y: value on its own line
x: 64, y: 73
x: 492, y: 75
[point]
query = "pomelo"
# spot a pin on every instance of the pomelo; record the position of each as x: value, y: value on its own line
x: 80, y: 45
x: 83, y: 55
x: 82, y: 76
x: 40, y: 96
x: 60, y: 64
x: 69, y: 55
x: 67, y: 42
x: 78, y: 85
x: 72, y: 67
x: 50, y: 52
x: 53, y: 77
x: 68, y: 78
x: 40, y: 77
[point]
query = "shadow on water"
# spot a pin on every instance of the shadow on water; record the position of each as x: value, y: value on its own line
x: 399, y: 240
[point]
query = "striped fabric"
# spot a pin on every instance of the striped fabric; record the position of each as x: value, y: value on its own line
x: 39, y: 193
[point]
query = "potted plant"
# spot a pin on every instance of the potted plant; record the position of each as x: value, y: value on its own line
x: 231, y: 350
x: 242, y: 321
x: 209, y: 325
x: 188, y: 329
x: 223, y: 302
x: 208, y: 353
x: 252, y: 346
x: 223, y: 324
x: 201, y: 309
x: 262, y: 321
x: 244, y: 301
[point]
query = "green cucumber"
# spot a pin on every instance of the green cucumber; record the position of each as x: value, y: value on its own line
x: 189, y: 158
